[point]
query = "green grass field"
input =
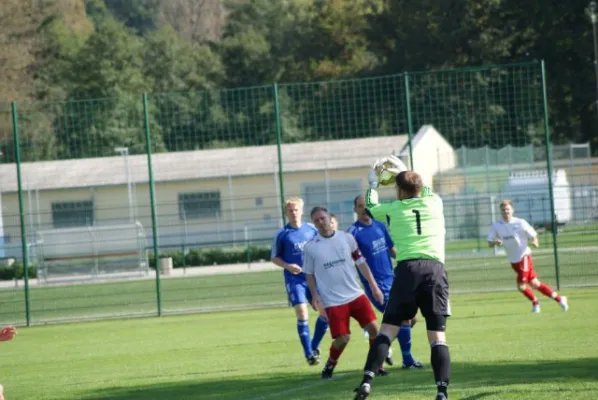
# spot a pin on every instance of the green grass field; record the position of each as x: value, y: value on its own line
x: 469, y: 271
x: 499, y: 351
x: 474, y: 273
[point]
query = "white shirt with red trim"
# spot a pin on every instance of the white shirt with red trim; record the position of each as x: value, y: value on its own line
x: 332, y: 261
x: 514, y: 236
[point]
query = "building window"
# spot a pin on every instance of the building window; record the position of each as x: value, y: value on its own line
x: 199, y: 205
x: 68, y: 214
x: 259, y: 201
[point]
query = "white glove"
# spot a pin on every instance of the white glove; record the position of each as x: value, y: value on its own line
x: 397, y: 166
x: 373, y: 175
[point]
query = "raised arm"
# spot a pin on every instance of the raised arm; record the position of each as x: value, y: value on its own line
x: 391, y: 164
x: 377, y: 211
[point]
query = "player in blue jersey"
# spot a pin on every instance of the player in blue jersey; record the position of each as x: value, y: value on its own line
x: 377, y: 247
x: 287, y: 253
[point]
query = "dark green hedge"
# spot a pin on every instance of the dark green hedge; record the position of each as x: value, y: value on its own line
x: 209, y: 257
x: 16, y: 271
x: 193, y: 258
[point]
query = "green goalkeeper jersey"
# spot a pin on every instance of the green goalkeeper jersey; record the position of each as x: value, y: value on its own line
x: 416, y: 225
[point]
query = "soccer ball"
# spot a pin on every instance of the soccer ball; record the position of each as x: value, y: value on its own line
x: 385, y: 177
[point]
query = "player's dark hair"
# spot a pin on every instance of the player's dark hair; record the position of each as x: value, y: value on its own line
x: 316, y: 209
x: 410, y: 182
x: 355, y: 200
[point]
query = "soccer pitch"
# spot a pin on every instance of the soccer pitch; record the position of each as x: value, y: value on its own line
x: 499, y: 351
x: 467, y: 273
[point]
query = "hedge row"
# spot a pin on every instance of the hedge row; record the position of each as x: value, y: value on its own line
x: 209, y: 257
x: 16, y: 271
x: 193, y: 258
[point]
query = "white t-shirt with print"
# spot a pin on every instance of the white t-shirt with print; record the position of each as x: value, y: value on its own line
x: 514, y: 235
x: 332, y: 261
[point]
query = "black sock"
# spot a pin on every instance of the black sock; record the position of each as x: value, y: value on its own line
x: 376, y: 356
x: 441, y: 364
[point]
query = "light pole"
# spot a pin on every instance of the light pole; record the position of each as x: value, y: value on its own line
x: 124, y: 151
x: 592, y: 13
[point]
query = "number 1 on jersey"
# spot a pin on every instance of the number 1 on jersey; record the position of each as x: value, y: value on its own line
x: 417, y: 221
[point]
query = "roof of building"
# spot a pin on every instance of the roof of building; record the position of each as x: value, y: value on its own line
x: 423, y: 131
x: 201, y: 164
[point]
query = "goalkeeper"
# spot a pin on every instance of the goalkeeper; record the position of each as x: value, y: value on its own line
x: 416, y: 224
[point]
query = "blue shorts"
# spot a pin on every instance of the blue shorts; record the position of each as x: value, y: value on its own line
x: 297, y: 291
x: 384, y: 287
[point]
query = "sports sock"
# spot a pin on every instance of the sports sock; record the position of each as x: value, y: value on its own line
x: 529, y: 293
x: 378, y: 352
x: 404, y: 338
x: 441, y: 364
x: 303, y: 331
x: 334, y: 354
x: 547, y: 291
x: 319, y: 332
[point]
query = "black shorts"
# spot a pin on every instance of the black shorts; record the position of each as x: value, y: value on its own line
x: 418, y: 284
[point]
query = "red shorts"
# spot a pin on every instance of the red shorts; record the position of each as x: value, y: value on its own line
x: 525, y: 269
x: 339, y: 317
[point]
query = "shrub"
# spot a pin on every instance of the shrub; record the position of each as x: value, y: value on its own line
x: 16, y: 270
x: 215, y: 256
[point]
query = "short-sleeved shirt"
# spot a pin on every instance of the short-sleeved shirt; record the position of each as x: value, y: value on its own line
x: 332, y: 261
x: 416, y: 225
x: 374, y: 242
x: 514, y: 236
x: 288, y: 245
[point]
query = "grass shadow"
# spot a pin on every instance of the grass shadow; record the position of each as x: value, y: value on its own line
x: 469, y: 381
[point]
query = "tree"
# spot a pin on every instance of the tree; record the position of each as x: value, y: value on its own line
x: 198, y: 21
x: 173, y: 64
x: 108, y: 71
x: 140, y: 15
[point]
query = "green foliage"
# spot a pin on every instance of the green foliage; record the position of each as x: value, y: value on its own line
x: 110, y: 62
x: 175, y: 65
x: 269, y: 41
x: 217, y: 256
x: 16, y: 271
x: 120, y: 49
x: 59, y: 49
x: 137, y: 14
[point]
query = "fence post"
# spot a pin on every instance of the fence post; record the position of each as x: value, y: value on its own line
x: 409, y: 118
x: 279, y: 148
x: 25, y: 250
x: 152, y: 193
x: 550, y: 183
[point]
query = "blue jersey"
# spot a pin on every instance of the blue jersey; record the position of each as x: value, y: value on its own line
x: 374, y: 242
x: 288, y: 246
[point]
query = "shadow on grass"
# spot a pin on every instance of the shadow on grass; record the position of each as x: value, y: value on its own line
x: 479, y: 381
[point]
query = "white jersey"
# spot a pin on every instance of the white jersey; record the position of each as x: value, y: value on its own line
x: 514, y: 236
x: 332, y: 261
